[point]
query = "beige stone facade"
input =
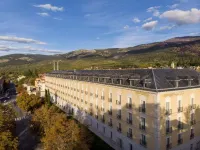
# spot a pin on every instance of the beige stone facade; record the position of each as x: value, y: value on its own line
x: 132, y: 118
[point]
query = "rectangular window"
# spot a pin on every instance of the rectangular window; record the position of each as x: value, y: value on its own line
x: 179, y: 103
x: 130, y: 116
x: 120, y: 97
x: 143, y: 138
x: 111, y: 135
x: 167, y: 105
x: 179, y: 120
x: 130, y: 130
x: 130, y: 146
x: 119, y: 125
x: 143, y: 104
x: 104, y: 130
x: 179, y: 136
x: 142, y: 121
x: 192, y: 101
x: 167, y: 123
x: 119, y: 111
x: 110, y: 96
x: 168, y: 141
x: 110, y: 108
x: 192, y: 131
x: 129, y: 100
x: 192, y: 116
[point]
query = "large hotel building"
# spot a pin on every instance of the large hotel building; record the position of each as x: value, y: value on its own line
x: 141, y: 109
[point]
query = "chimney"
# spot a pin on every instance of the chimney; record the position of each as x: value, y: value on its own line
x: 190, y: 82
x: 54, y: 65
x: 57, y: 65
x: 176, y: 83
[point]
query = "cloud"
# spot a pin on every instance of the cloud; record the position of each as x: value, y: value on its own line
x: 20, y: 40
x: 136, y: 20
x: 50, y: 7
x: 126, y: 27
x: 173, y: 6
x: 97, y: 38
x: 154, y: 10
x: 57, y: 18
x: 181, y: 17
x: 167, y: 27
x: 87, y: 15
x: 28, y: 49
x: 195, y: 33
x: 149, y: 25
x: 148, y: 19
x: 43, y: 14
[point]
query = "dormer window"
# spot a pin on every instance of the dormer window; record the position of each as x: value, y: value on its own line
x: 146, y: 83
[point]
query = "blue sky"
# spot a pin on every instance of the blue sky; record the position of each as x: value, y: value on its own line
x: 60, y: 26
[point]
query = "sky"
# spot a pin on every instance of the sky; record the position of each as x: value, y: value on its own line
x: 61, y: 26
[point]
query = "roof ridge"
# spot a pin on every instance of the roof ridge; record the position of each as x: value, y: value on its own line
x: 154, y: 79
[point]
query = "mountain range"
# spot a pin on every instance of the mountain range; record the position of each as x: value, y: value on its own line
x: 158, y: 52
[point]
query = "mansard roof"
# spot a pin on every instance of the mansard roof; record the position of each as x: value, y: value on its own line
x: 146, y: 79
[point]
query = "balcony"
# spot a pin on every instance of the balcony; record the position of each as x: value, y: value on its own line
x: 110, y: 112
x: 168, y: 146
x: 110, y: 124
x: 180, y: 141
x: 129, y: 106
x: 193, y: 122
x: 119, y: 116
x: 118, y: 102
x: 142, y: 127
x: 168, y: 130
x: 180, y: 126
x: 129, y: 135
x: 191, y: 136
x: 193, y: 106
x: 142, y: 109
x: 143, y: 143
x: 110, y: 100
x: 129, y: 121
x: 119, y: 129
x: 168, y: 112
x: 180, y: 109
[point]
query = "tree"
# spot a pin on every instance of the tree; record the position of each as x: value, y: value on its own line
x: 62, y: 135
x: 7, y: 126
x: 28, y: 102
x: 20, y: 89
x: 47, y: 98
x: 57, y: 132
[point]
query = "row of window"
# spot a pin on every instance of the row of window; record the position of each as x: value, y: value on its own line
x: 180, y: 139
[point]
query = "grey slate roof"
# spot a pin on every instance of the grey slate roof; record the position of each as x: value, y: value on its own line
x: 146, y: 79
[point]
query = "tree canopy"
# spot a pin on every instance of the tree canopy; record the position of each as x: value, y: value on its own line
x: 7, y: 126
x: 28, y: 102
x: 57, y: 132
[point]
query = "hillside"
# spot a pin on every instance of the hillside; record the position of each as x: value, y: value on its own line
x: 182, y: 50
